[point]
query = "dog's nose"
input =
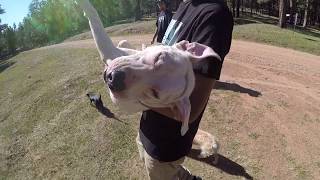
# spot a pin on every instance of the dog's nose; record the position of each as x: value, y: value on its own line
x: 115, y: 80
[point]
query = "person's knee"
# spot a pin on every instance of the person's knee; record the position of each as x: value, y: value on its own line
x: 166, y: 170
x: 140, y: 147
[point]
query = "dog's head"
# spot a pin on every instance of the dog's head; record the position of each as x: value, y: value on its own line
x: 158, y: 76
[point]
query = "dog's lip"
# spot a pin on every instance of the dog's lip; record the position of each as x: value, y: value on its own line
x: 118, y: 95
x: 143, y: 104
x: 113, y: 68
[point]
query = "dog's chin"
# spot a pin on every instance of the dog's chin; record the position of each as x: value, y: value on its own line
x: 129, y: 106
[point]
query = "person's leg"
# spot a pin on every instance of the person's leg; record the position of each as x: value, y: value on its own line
x: 140, y: 147
x: 157, y: 170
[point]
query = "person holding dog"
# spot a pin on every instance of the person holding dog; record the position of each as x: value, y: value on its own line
x: 160, y: 143
x: 163, y: 20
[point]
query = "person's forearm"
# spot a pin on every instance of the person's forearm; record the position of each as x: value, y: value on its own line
x: 200, y: 95
x: 155, y: 35
x: 198, y: 98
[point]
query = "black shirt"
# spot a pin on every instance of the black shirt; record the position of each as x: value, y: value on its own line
x: 204, y: 21
x: 208, y: 22
x: 162, y: 23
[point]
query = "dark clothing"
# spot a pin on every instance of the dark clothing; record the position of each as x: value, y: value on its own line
x: 161, y: 138
x: 205, y: 21
x: 208, y: 22
x: 162, y: 23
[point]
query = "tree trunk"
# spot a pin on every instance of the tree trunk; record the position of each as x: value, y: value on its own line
x: 233, y: 2
x: 282, y: 13
x: 242, y: 7
x: 138, y: 10
x: 251, y: 7
x: 238, y: 8
x: 292, y: 11
x: 305, y: 19
x: 270, y: 8
x: 317, y: 13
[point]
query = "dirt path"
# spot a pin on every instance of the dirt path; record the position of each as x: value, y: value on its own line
x: 275, y: 135
x: 289, y: 117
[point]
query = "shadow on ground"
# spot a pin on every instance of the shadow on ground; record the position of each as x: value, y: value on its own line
x: 242, y: 21
x: 4, y: 64
x: 250, y: 19
x: 306, y: 31
x: 226, y: 165
x: 246, y: 18
x: 95, y: 101
x: 236, y: 88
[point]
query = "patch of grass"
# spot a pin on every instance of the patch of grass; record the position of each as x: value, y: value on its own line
x: 256, y: 169
x: 262, y: 29
x: 300, y: 171
x: 139, y: 27
x: 254, y: 135
x: 233, y: 148
x: 270, y: 105
x: 283, y: 103
x: 274, y: 35
x: 49, y: 130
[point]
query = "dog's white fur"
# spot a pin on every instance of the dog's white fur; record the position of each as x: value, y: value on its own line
x: 157, y: 76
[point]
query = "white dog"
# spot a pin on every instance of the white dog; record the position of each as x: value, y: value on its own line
x: 157, y: 76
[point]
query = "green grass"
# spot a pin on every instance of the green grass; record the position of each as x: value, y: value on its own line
x: 273, y: 35
x: 48, y: 128
x: 259, y: 29
x: 254, y: 135
x: 140, y: 27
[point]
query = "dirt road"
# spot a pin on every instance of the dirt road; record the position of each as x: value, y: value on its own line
x: 265, y: 111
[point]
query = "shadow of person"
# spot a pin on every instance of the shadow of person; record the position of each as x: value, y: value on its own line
x: 96, y: 102
x: 236, y: 88
x: 4, y: 64
x: 224, y: 164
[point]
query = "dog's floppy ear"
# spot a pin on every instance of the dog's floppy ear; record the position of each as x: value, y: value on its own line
x: 197, y: 51
x: 182, y: 111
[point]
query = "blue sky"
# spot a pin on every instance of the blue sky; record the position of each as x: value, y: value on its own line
x: 16, y: 10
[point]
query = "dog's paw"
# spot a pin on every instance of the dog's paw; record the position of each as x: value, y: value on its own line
x: 215, y: 157
x: 210, y: 150
x: 204, y: 154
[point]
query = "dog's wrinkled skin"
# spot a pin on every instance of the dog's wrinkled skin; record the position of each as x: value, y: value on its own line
x: 158, y: 76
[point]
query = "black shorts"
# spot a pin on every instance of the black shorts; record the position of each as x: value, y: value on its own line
x: 161, y: 138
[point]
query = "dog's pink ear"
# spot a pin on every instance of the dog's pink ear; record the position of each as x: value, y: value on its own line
x: 197, y: 51
x: 182, y: 111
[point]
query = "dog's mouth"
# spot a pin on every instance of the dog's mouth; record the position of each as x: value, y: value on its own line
x: 117, y: 95
x: 144, y: 105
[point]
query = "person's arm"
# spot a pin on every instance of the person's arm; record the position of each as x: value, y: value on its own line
x: 207, y: 33
x: 154, y: 36
x: 155, y: 33
x: 198, y: 98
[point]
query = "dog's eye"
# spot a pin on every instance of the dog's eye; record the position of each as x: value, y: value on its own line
x: 155, y: 93
x: 158, y: 60
x: 105, y: 78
